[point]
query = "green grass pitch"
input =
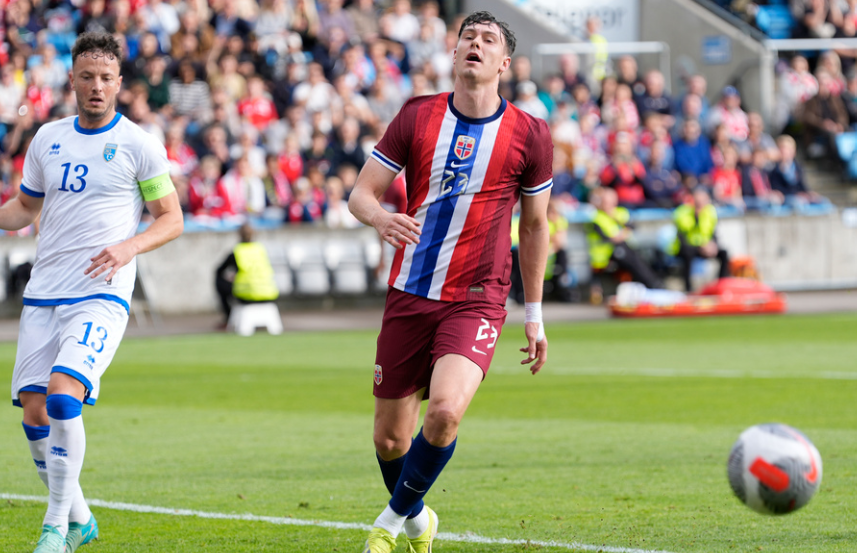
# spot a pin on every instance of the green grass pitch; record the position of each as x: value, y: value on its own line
x: 621, y: 441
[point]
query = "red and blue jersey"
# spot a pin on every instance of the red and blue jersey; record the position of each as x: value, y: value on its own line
x: 464, y: 177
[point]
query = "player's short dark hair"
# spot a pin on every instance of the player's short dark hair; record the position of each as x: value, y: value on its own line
x: 97, y: 43
x: 487, y: 18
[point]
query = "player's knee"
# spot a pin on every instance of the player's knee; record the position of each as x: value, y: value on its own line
x: 63, y: 407
x: 391, y: 447
x: 442, y: 419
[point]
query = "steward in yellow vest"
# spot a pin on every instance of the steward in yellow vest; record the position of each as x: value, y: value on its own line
x: 696, y: 224
x: 607, y: 235
x: 246, y: 274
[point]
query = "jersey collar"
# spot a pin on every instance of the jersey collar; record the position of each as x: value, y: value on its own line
x: 99, y: 130
x: 480, y: 121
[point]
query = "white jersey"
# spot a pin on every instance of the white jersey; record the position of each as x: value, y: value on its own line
x: 93, y: 183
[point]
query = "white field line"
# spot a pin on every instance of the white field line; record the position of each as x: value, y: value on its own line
x: 444, y: 536
x: 689, y: 373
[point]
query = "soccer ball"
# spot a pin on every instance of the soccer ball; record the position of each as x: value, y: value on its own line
x: 774, y: 469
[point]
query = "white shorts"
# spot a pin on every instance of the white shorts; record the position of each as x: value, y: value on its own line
x: 79, y: 340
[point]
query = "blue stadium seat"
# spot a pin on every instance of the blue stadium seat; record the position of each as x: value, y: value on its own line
x: 846, y: 147
x: 775, y: 21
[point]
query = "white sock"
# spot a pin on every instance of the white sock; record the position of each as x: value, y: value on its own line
x: 66, y: 448
x: 38, y: 449
x: 390, y: 521
x: 414, y: 527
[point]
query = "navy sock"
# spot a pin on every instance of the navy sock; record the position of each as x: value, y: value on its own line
x: 422, y: 466
x: 391, y: 470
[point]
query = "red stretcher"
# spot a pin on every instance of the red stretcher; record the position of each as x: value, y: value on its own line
x: 727, y: 296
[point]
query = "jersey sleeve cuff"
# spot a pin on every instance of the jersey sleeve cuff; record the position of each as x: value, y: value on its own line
x: 386, y: 161
x: 31, y: 192
x: 157, y: 187
x: 538, y: 189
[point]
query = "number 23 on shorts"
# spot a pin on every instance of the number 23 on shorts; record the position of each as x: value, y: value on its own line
x: 485, y: 332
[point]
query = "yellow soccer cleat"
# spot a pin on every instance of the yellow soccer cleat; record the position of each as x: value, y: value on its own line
x: 379, y: 541
x: 422, y: 544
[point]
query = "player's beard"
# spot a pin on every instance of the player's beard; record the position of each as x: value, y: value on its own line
x: 95, y: 115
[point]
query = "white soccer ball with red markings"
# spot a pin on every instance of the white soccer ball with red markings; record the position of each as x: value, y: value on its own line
x: 774, y: 469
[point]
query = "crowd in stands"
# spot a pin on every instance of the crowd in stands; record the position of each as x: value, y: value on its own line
x: 270, y: 108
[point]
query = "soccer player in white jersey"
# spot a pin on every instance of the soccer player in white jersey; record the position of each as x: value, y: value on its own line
x: 88, y: 176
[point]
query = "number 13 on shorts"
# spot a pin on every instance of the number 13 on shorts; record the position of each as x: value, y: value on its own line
x: 486, y: 337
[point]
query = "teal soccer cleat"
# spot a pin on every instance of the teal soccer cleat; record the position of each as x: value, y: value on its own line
x: 51, y: 541
x: 80, y: 534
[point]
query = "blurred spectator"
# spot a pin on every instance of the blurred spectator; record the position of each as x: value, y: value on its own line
x: 319, y: 155
x: 557, y: 283
x: 248, y: 146
x: 244, y: 190
x: 756, y: 185
x: 224, y: 75
x: 796, y: 85
x: 190, y: 96
x: 599, y: 63
x: 696, y: 226
x: 11, y: 94
x: 402, y: 25
x: 787, y: 175
x: 290, y: 160
x: 829, y: 62
x: 316, y: 93
x: 655, y: 131
x: 193, y: 40
x: 693, y: 152
x: 53, y: 70
x: 429, y: 11
x: 726, y: 180
x: 332, y: 16
x: 696, y: 86
x: 157, y: 85
x: 214, y: 144
x: 528, y: 102
x: 205, y: 198
x: 303, y: 209
x: 337, y: 214
x: 272, y: 26
x: 608, y: 236
x: 141, y: 48
x: 816, y: 18
x: 95, y: 18
x: 608, y: 91
x: 426, y: 46
x: 365, y: 18
x: 690, y: 109
x: 183, y: 160
x: 227, y: 21
x: 625, y: 173
x: 729, y: 113
x: 655, y: 98
x: 278, y: 191
x: 162, y: 19
x: 720, y: 143
x: 256, y: 107
x: 569, y: 68
x: 662, y: 185
x: 757, y: 138
x: 824, y: 116
x: 849, y: 98
x: 623, y: 103
x: 346, y: 146
x: 40, y: 95
x: 628, y: 73
x: 563, y: 175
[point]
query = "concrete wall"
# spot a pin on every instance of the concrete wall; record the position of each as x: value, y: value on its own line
x: 685, y: 25
x: 791, y: 253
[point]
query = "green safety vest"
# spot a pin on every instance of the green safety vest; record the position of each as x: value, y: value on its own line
x: 697, y: 230
x: 600, y: 250
x: 255, y: 278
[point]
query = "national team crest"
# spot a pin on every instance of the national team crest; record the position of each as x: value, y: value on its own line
x: 464, y: 146
x: 109, y: 151
x: 378, y: 375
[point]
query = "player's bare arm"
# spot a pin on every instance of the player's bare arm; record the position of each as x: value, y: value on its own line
x: 533, y: 252
x: 397, y: 229
x: 167, y: 226
x: 20, y: 211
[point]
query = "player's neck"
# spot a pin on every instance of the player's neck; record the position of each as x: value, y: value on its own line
x: 92, y: 124
x: 476, y: 101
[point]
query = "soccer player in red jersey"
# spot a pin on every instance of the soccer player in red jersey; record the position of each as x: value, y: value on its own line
x: 468, y: 157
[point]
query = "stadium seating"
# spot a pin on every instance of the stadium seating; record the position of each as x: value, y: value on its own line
x: 306, y: 259
x: 247, y: 317
x: 348, y: 271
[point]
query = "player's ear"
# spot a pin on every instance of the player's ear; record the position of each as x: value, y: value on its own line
x: 507, y: 62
